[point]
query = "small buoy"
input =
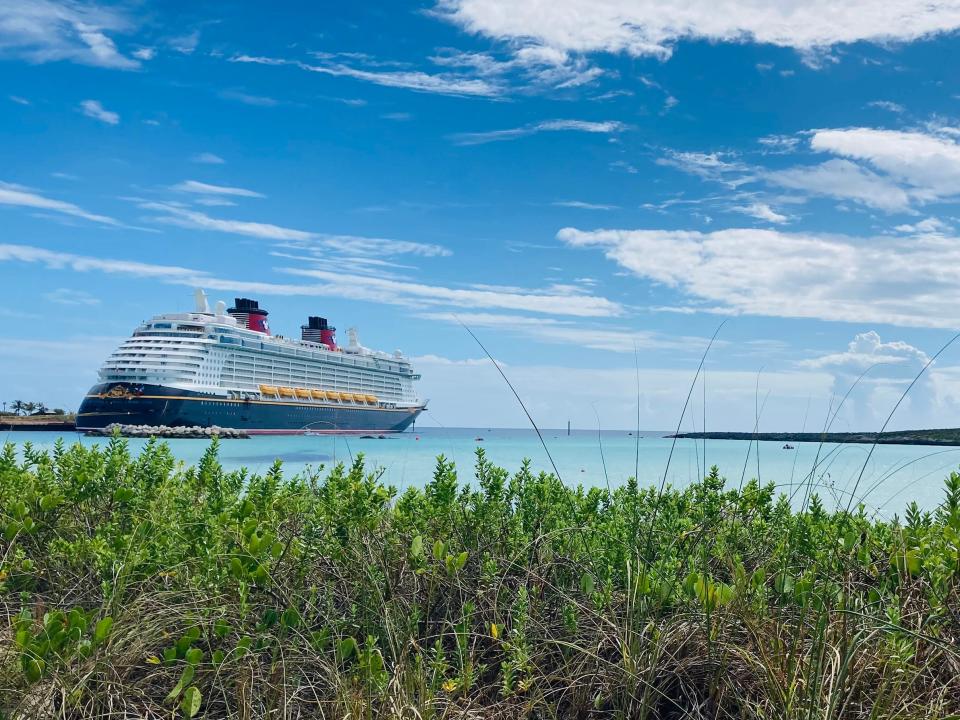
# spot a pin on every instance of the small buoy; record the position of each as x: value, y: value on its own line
x: 418, y: 437
x: 582, y: 470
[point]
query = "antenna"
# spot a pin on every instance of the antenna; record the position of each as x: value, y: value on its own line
x: 200, y: 297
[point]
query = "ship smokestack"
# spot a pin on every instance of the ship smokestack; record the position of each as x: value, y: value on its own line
x: 318, y: 331
x: 250, y: 315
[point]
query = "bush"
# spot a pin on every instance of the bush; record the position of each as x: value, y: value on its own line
x: 135, y: 586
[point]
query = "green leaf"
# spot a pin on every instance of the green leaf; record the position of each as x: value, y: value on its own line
x: 218, y: 656
x: 33, y: 668
x: 191, y: 702
x: 185, y: 679
x: 290, y: 618
x: 587, y: 584
x: 347, y: 647
x: 438, y: 550
x: 416, y: 548
x: 102, y: 629
x: 221, y: 628
x: 461, y: 560
x: 194, y: 656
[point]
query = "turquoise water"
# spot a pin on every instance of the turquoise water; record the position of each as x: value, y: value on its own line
x: 893, y: 476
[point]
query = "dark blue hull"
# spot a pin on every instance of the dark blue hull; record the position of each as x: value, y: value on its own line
x: 110, y: 403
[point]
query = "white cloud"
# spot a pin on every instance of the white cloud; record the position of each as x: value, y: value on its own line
x: 868, y: 349
x: 145, y: 53
x: 331, y: 284
x: 443, y: 83
x: 215, y: 202
x: 887, y: 105
x: 192, y: 219
x: 606, y: 127
x: 412, y: 293
x: 200, y: 188
x: 185, y: 44
x: 579, y: 204
x: 93, y: 109
x: 40, y: 31
x: 652, y: 28
x: 248, y: 99
x: 761, y: 211
x: 19, y: 100
x: 563, y: 332
x: 908, y: 281
x: 66, y: 296
x: 928, y: 165
x: 844, y: 180
x: 24, y: 197
x: 357, y: 245
x: 208, y: 158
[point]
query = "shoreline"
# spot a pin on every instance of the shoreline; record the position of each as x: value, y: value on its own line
x: 940, y: 437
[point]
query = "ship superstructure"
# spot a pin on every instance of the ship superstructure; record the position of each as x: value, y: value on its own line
x: 223, y: 367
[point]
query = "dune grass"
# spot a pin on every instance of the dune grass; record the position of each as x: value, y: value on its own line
x: 133, y: 586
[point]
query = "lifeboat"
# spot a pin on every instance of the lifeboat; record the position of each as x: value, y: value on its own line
x: 333, y: 395
x: 268, y: 390
x: 318, y: 394
x: 372, y: 399
x: 287, y: 392
x: 303, y: 393
x: 348, y: 397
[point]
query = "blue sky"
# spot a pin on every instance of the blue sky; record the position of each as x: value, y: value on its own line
x: 591, y: 187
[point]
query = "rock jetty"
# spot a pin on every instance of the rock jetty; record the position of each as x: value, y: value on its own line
x: 169, y: 432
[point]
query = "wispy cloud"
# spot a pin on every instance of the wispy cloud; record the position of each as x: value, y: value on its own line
x: 441, y: 83
x: 41, y: 31
x: 95, y: 110
x: 606, y: 127
x: 18, y: 195
x: 248, y: 99
x: 208, y: 158
x: 329, y: 284
x: 19, y: 100
x: 565, y: 332
x: 579, y: 204
x: 66, y: 296
x: 201, y: 188
x: 182, y: 217
x: 887, y: 105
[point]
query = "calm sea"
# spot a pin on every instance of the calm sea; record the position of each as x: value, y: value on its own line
x: 892, y: 477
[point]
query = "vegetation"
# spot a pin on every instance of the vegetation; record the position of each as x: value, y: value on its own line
x: 136, y: 587
x: 21, y: 407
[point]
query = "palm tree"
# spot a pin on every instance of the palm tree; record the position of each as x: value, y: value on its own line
x: 29, y: 407
x: 18, y: 406
x: 42, y: 409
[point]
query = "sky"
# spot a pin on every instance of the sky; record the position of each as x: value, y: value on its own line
x: 595, y: 189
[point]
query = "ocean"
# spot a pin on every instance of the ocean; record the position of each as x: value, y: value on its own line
x: 886, y: 480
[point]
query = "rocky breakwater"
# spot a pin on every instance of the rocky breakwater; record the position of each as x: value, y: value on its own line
x: 169, y: 432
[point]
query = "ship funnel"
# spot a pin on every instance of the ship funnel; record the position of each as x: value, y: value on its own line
x: 250, y: 315
x: 200, y: 298
x: 318, y: 331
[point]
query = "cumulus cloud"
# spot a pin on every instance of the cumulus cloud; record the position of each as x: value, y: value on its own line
x: 94, y: 109
x: 477, y: 138
x: 883, y: 371
x: 647, y: 28
x: 908, y: 281
x: 18, y: 195
x: 41, y: 31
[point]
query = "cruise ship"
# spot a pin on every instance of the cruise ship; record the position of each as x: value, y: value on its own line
x: 223, y: 367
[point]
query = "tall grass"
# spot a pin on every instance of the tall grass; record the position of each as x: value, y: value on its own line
x: 132, y: 586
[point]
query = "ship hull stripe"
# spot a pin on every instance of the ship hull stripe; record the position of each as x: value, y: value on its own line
x: 152, y: 407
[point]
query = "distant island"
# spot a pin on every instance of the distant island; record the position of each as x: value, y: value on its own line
x: 947, y: 436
